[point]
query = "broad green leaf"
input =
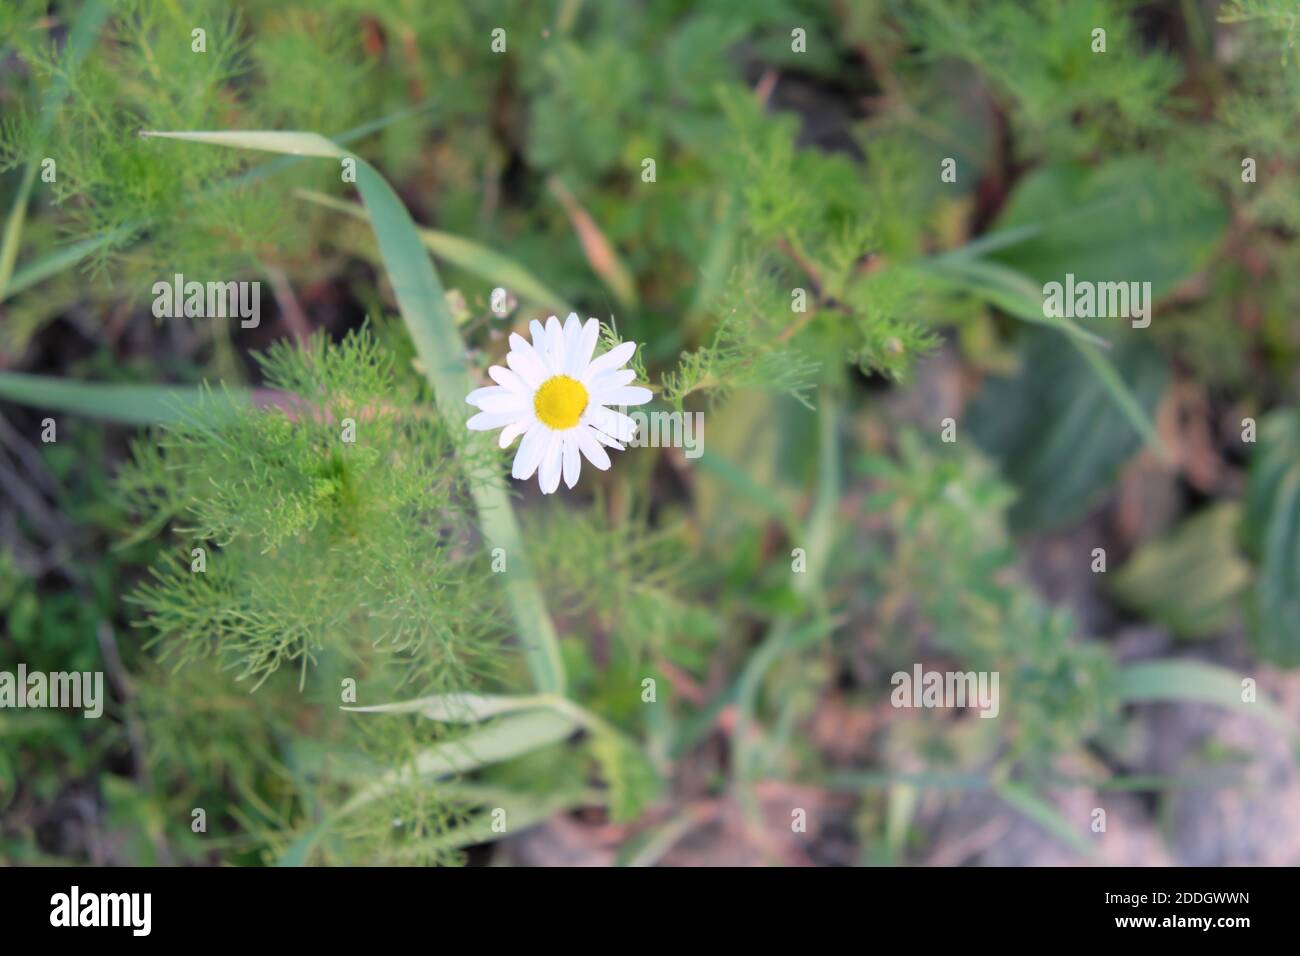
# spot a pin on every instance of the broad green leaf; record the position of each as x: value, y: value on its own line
x: 1191, y: 580
x: 441, y: 351
x: 1131, y: 219
x: 1195, y: 682
x: 1020, y: 297
x: 1055, y: 429
x: 1271, y: 535
x: 470, y: 256
x: 1276, y: 456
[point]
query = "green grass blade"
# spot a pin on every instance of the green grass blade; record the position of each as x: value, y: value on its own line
x: 510, y: 736
x: 990, y: 242
x: 458, y: 708
x: 924, y: 779
x: 296, y: 853
x: 470, y: 256
x: 421, y: 301
x: 1193, y: 681
x: 1011, y: 291
x: 124, y: 404
x: 1121, y: 394
x: 1034, y: 806
x: 65, y: 257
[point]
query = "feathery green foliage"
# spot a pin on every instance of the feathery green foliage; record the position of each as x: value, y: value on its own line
x: 332, y: 521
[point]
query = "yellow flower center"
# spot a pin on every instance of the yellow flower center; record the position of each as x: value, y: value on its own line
x: 560, y: 402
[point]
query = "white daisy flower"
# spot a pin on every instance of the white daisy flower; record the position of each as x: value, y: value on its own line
x: 558, y: 398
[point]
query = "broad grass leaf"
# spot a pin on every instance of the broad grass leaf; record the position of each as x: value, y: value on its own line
x: 510, y: 736
x: 1196, y: 682
x: 125, y: 404
x: 1021, y: 297
x: 1132, y: 219
x: 1053, y: 426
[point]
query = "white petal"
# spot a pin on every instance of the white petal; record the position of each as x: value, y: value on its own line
x: 581, y: 355
x: 526, y: 363
x: 548, y: 476
x: 486, y: 421
x: 572, y: 344
x: 586, y: 439
x: 623, y: 395
x: 542, y: 346
x: 511, y: 432
x: 520, y: 344
x: 507, y: 379
x: 622, y: 376
x: 572, y: 460
x: 606, y: 440
x: 612, y: 423
x: 495, y: 399
x: 572, y: 332
x: 529, y: 455
x: 611, y: 360
x: 555, y: 345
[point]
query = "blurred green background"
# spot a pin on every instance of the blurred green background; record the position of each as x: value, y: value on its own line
x: 828, y: 226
